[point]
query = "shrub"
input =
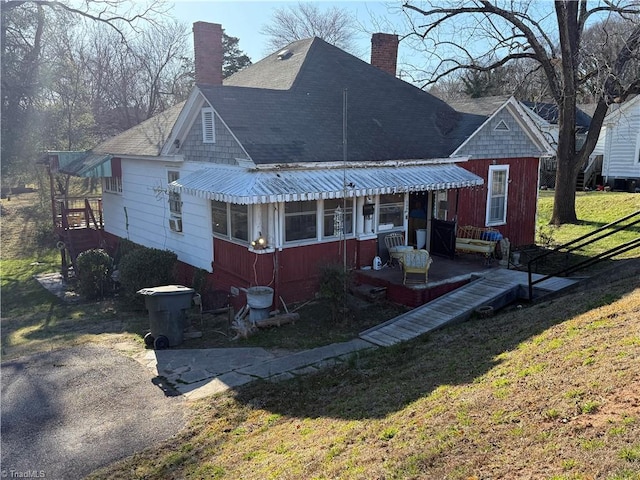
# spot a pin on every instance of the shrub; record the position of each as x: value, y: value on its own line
x: 146, y: 267
x: 94, y: 273
x: 334, y: 286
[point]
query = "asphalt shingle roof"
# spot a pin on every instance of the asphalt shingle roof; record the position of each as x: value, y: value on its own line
x: 146, y: 138
x: 388, y: 119
x: 289, y: 109
x: 549, y: 111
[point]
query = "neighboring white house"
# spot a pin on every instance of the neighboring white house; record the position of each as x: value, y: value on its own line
x: 619, y: 145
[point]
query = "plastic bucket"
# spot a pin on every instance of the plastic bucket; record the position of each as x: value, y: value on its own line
x: 259, y: 297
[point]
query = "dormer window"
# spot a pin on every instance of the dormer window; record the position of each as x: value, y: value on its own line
x: 208, y: 131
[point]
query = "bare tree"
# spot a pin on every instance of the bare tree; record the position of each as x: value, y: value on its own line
x: 26, y: 30
x: 304, y: 20
x: 483, y: 35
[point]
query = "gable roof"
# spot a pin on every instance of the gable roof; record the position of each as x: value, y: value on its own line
x: 146, y: 138
x: 616, y: 109
x: 288, y: 108
x: 528, y: 141
x: 388, y: 119
x: 549, y: 112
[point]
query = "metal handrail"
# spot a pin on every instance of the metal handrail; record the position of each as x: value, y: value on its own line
x: 576, y: 243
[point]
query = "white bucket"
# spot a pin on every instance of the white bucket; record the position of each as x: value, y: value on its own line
x: 259, y: 297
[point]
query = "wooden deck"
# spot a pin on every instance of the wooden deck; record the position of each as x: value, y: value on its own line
x: 498, y: 288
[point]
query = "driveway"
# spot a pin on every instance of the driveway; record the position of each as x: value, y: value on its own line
x: 68, y: 412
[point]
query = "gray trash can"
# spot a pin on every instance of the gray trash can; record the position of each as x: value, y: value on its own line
x: 167, y: 318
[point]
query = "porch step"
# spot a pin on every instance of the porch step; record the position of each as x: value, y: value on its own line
x: 370, y: 293
x: 497, y: 289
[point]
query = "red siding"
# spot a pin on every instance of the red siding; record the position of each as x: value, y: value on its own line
x: 406, y: 295
x: 520, y: 228
x: 292, y: 272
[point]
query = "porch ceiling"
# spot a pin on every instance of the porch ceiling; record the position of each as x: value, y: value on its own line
x: 241, y: 186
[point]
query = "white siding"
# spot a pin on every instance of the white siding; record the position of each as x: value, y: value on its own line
x: 621, y: 154
x: 144, y: 197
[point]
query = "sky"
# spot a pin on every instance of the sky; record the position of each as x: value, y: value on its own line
x: 245, y: 19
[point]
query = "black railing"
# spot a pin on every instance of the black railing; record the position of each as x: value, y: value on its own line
x: 584, y: 240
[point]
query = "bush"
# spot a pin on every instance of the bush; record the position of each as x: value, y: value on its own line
x: 146, y: 267
x: 334, y: 286
x: 94, y: 273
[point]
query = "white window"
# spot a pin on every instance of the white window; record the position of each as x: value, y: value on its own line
x: 230, y: 220
x: 497, y: 194
x: 300, y: 221
x: 391, y: 211
x: 338, y: 218
x: 208, y: 130
x: 113, y: 184
x: 175, y: 202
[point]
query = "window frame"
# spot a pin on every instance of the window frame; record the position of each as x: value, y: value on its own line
x: 491, y: 182
x: 382, y: 206
x: 112, y: 185
x: 305, y: 213
x: 175, y: 199
x: 229, y: 225
x: 348, y: 219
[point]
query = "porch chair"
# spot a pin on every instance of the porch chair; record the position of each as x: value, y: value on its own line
x: 396, y: 247
x: 416, y: 261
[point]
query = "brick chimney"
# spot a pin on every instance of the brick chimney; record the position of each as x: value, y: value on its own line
x: 384, y: 52
x: 207, y: 47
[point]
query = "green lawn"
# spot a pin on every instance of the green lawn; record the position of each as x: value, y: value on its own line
x: 594, y: 210
x: 543, y: 391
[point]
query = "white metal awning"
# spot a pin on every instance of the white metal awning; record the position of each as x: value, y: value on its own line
x: 245, y: 187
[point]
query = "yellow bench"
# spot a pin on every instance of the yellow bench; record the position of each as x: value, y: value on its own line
x: 470, y: 239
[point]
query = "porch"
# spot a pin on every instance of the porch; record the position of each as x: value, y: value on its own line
x: 445, y: 275
x: 78, y: 225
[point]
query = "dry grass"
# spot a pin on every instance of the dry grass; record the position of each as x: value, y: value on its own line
x: 547, y: 391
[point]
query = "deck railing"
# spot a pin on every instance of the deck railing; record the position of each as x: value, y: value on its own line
x: 78, y: 212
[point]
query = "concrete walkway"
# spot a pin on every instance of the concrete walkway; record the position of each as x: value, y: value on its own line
x: 197, y: 373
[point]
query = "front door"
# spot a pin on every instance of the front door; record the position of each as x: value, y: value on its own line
x: 417, y: 228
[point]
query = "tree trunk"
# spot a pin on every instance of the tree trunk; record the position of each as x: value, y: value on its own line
x: 564, y: 200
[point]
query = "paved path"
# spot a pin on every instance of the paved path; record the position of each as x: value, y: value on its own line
x: 69, y: 412
x: 199, y: 373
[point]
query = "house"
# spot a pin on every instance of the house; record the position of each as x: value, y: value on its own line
x: 306, y: 158
x: 619, y: 146
x: 545, y: 116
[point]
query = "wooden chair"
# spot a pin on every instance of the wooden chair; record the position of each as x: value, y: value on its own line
x: 416, y: 261
x: 395, y: 246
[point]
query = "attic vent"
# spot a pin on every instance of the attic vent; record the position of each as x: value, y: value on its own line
x: 208, y: 132
x: 284, y: 54
x: 502, y: 127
